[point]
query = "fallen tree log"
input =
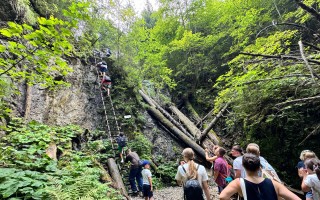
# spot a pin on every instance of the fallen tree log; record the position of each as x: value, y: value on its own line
x: 186, y: 121
x: 198, y: 149
x: 205, y: 117
x: 192, y: 111
x: 116, y: 176
x: 212, y: 123
x: 164, y: 112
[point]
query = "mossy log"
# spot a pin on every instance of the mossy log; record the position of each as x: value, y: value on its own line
x: 186, y: 121
x: 189, y: 142
x: 116, y: 176
x: 212, y: 123
x: 192, y: 111
x: 153, y: 103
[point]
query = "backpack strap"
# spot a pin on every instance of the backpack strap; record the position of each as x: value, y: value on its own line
x: 243, y: 188
x: 186, y: 171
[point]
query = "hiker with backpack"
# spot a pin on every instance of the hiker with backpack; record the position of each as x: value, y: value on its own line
x: 135, y: 171
x: 311, y: 177
x: 122, y: 142
x: 103, y: 68
x: 255, y: 187
x: 193, y: 177
x: 221, y: 169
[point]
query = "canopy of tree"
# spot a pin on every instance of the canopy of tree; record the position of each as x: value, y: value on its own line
x: 259, y: 56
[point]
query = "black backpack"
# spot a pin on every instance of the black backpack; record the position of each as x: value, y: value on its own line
x: 122, y: 141
x: 192, y: 188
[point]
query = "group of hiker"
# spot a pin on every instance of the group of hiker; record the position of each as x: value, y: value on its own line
x: 104, y: 72
x: 251, y: 177
x: 139, y: 170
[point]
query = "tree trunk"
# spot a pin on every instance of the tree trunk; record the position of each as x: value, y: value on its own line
x: 116, y: 176
x: 212, y: 123
x: 164, y: 112
x: 105, y: 176
x: 192, y: 111
x: 205, y: 117
x: 189, y: 124
x: 27, y: 102
x: 198, y: 149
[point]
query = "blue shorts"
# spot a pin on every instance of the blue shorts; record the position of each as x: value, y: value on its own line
x: 147, y: 191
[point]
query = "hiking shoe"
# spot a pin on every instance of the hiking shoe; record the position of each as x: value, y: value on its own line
x: 121, y: 161
x: 140, y: 194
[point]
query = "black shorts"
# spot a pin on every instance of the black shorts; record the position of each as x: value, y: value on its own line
x: 147, y: 191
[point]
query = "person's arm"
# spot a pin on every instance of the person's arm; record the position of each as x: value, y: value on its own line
x: 150, y: 182
x: 210, y: 159
x: 205, y: 188
x: 179, y: 176
x: 284, y: 192
x: 231, y: 189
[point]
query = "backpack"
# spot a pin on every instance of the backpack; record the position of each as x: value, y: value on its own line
x: 122, y: 141
x: 192, y: 188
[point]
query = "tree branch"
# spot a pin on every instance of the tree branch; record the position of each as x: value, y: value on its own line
x: 310, y: 10
x: 285, y: 24
x: 283, y: 57
x: 274, y: 78
x: 313, y: 74
x: 298, y: 100
x: 312, y: 133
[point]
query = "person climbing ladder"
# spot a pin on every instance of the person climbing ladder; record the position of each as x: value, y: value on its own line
x: 122, y: 142
x: 106, y: 80
x: 103, y: 68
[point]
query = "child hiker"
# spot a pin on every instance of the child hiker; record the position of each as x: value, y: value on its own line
x: 147, y: 181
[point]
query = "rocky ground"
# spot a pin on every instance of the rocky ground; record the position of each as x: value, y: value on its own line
x: 175, y: 193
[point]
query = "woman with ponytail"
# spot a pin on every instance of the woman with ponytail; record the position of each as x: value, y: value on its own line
x: 311, y: 177
x: 188, y: 169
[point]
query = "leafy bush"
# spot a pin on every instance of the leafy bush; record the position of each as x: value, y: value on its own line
x: 167, y: 172
x: 141, y: 145
x: 26, y: 172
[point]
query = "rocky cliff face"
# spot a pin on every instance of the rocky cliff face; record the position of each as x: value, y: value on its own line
x: 15, y: 10
x: 79, y: 104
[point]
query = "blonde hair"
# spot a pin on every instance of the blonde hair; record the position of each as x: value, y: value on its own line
x: 306, y: 154
x: 253, y: 148
x: 189, y: 157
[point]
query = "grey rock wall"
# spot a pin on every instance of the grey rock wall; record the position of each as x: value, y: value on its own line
x: 79, y: 104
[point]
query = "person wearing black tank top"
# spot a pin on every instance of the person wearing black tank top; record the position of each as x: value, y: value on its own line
x: 254, y: 187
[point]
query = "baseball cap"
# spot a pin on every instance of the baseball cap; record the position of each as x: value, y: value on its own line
x: 145, y: 162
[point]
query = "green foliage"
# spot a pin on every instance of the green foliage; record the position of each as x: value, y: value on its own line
x: 141, y: 145
x: 27, y: 172
x: 167, y: 172
x: 17, y: 182
x: 35, y: 54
